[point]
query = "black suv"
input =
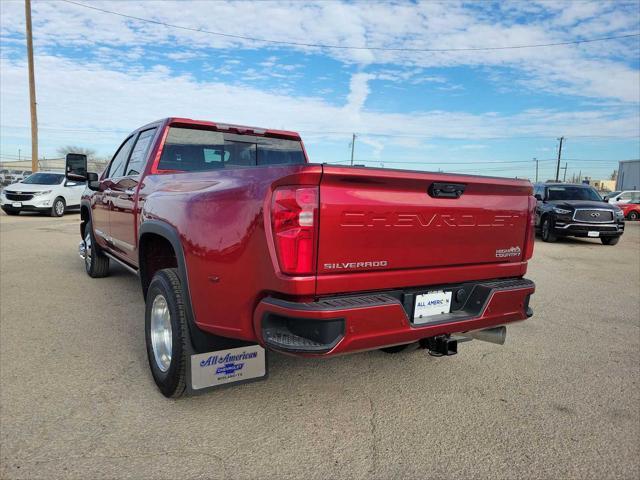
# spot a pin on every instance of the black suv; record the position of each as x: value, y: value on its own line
x: 576, y: 210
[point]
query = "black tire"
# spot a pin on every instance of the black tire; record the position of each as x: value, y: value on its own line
x: 609, y: 240
x: 395, y: 349
x: 96, y: 263
x: 58, y: 207
x: 633, y: 216
x: 11, y: 212
x: 171, y: 381
x: 546, y: 230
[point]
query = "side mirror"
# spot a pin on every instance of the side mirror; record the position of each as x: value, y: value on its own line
x: 538, y: 197
x: 76, y: 167
x: 93, y: 181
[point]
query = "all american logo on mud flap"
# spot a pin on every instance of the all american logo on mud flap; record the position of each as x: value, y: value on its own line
x: 227, y: 366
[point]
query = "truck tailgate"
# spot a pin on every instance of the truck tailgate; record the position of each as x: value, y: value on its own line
x: 379, y: 219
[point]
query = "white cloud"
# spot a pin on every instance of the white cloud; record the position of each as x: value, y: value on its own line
x: 598, y: 70
x: 358, y: 91
x: 473, y: 146
x: 73, y: 95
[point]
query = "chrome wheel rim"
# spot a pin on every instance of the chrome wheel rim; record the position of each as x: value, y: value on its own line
x: 161, y: 333
x: 59, y: 207
x: 87, y: 250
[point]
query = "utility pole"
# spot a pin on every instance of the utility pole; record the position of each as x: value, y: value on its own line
x: 564, y: 177
x: 579, y: 177
x: 19, y: 158
x: 536, y: 160
x: 32, y: 90
x: 353, y: 144
x: 559, y: 156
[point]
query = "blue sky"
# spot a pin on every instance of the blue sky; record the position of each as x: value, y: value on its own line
x: 101, y: 75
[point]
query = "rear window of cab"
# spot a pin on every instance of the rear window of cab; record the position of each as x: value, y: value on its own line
x: 193, y: 150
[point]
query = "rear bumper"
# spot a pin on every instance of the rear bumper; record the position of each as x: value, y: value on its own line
x: 338, y: 325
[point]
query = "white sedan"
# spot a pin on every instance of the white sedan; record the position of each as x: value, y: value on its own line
x: 46, y: 192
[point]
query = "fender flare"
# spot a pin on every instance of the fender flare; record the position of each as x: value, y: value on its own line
x: 200, y: 341
x: 84, y: 203
x: 169, y: 233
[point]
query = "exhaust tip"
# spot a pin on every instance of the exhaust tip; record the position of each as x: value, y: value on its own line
x: 497, y: 335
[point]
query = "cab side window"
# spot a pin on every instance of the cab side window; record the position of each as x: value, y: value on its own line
x: 139, y: 153
x: 116, y: 169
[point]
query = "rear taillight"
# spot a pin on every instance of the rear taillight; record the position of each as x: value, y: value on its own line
x: 531, y: 229
x: 294, y: 221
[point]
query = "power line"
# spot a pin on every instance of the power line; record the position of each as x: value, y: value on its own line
x: 495, y: 137
x: 330, y: 132
x: 476, y: 162
x: 348, y: 47
x: 467, y: 165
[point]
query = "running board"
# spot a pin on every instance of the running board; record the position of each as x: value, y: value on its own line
x: 121, y: 262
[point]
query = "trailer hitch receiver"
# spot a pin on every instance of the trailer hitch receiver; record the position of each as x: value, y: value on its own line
x: 441, y: 345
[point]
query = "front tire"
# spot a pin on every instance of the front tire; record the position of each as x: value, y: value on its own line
x: 96, y: 263
x: 547, y: 231
x: 57, y: 209
x: 609, y: 240
x: 166, y: 332
x: 633, y: 216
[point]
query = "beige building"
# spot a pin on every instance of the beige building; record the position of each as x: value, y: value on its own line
x: 604, y: 185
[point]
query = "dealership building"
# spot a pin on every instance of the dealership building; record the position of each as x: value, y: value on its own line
x: 628, y: 175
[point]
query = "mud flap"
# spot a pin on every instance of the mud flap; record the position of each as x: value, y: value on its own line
x: 210, y: 370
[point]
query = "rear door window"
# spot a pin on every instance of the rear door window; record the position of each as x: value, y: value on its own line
x: 116, y: 169
x: 188, y: 149
x: 139, y: 153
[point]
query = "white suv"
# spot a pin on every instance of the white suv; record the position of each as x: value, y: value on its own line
x: 42, y: 192
x: 624, y: 197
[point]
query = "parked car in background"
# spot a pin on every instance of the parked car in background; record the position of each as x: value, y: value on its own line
x: 3, y: 174
x: 609, y: 195
x: 42, y: 192
x: 625, y: 196
x: 13, y: 176
x: 576, y: 210
x: 630, y: 210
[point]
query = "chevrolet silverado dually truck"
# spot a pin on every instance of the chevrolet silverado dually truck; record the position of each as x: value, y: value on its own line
x: 242, y: 245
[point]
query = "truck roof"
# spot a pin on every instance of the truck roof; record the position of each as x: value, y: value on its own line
x: 225, y: 127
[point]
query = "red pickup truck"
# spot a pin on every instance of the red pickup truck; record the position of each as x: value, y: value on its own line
x: 241, y: 244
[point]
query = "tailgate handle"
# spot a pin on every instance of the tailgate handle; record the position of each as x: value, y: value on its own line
x: 446, y: 190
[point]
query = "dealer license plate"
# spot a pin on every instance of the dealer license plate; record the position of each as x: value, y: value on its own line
x: 430, y: 304
x: 16, y: 204
x: 593, y: 234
